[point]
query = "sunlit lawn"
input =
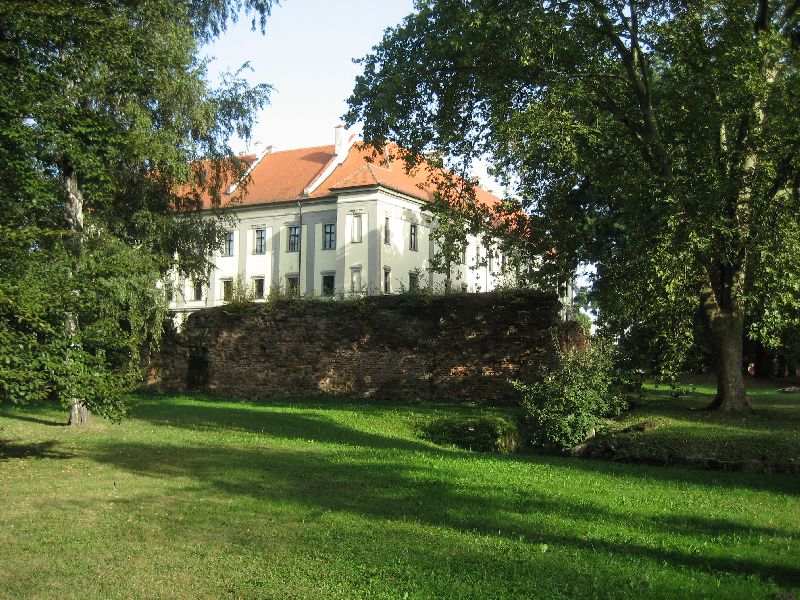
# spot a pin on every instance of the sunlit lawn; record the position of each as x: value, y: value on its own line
x: 200, y: 498
x: 676, y: 425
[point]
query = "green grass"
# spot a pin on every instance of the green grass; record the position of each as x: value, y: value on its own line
x: 676, y: 426
x: 201, y: 498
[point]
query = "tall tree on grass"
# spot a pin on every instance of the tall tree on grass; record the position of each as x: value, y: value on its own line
x: 659, y: 140
x: 108, y: 129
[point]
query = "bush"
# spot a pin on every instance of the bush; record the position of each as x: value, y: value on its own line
x: 485, y: 434
x: 564, y: 407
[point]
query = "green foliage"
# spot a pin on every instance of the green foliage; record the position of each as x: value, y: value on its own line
x: 106, y: 114
x: 242, y: 299
x: 484, y: 434
x: 657, y: 141
x: 113, y: 293
x: 564, y: 407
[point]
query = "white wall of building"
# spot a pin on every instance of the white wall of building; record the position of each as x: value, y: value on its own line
x: 361, y: 264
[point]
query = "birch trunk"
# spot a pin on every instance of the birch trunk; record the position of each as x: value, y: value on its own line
x: 73, y: 213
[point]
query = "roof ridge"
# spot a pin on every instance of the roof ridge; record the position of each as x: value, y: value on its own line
x: 299, y: 149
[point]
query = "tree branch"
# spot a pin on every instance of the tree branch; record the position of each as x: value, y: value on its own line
x: 762, y: 16
x: 633, y: 61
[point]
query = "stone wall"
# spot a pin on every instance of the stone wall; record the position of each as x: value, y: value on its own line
x: 460, y: 347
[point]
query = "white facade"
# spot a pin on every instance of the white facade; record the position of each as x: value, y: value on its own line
x: 343, y: 240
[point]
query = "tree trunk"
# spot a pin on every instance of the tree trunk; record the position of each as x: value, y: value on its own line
x: 726, y: 332
x: 79, y: 413
x: 73, y: 214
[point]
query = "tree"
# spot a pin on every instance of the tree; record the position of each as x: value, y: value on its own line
x: 109, y: 137
x: 659, y: 140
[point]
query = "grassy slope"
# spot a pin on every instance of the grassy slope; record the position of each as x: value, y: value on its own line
x: 677, y: 425
x: 195, y: 498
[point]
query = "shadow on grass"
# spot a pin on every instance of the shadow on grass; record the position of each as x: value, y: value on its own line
x: 265, y: 420
x: 206, y: 414
x: 28, y: 419
x: 687, y: 399
x: 46, y: 449
x: 410, y: 482
x: 381, y: 488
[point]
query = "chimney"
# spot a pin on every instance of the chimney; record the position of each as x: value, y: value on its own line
x: 339, y: 145
x: 342, y: 142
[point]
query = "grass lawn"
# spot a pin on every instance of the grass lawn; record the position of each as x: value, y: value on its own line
x: 670, y: 423
x: 202, y: 498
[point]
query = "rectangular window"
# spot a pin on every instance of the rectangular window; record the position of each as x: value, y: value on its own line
x: 327, y: 285
x: 502, y: 263
x: 294, y: 239
x: 355, y: 280
x: 227, y: 245
x: 464, y: 256
x: 227, y: 290
x: 329, y: 236
x: 387, y: 236
x: 387, y: 281
x: 413, y: 238
x: 198, y: 290
x: 293, y: 285
x: 260, y: 246
x: 413, y: 281
x: 258, y: 288
x: 356, y: 229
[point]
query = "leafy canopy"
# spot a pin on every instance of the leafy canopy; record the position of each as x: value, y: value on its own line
x: 111, y: 98
x: 659, y: 140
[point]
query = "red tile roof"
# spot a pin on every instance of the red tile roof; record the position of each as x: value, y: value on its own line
x: 283, y: 176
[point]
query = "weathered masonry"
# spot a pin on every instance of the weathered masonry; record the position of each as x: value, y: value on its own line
x: 460, y: 347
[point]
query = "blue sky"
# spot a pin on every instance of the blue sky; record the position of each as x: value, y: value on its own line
x: 306, y: 54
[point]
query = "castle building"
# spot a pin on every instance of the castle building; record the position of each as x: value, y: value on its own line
x: 335, y: 219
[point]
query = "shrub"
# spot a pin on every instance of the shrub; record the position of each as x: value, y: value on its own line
x: 562, y: 409
x: 485, y: 434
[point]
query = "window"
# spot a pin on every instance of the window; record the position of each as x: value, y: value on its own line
x: 227, y: 244
x: 293, y: 285
x: 387, y: 236
x: 227, y: 290
x: 502, y: 263
x: 328, y: 236
x: 464, y: 256
x: 327, y: 284
x: 258, y: 287
x: 198, y: 290
x: 387, y: 281
x: 356, y: 229
x: 355, y: 280
x: 413, y: 281
x: 294, y: 239
x: 413, y: 237
x: 260, y: 246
